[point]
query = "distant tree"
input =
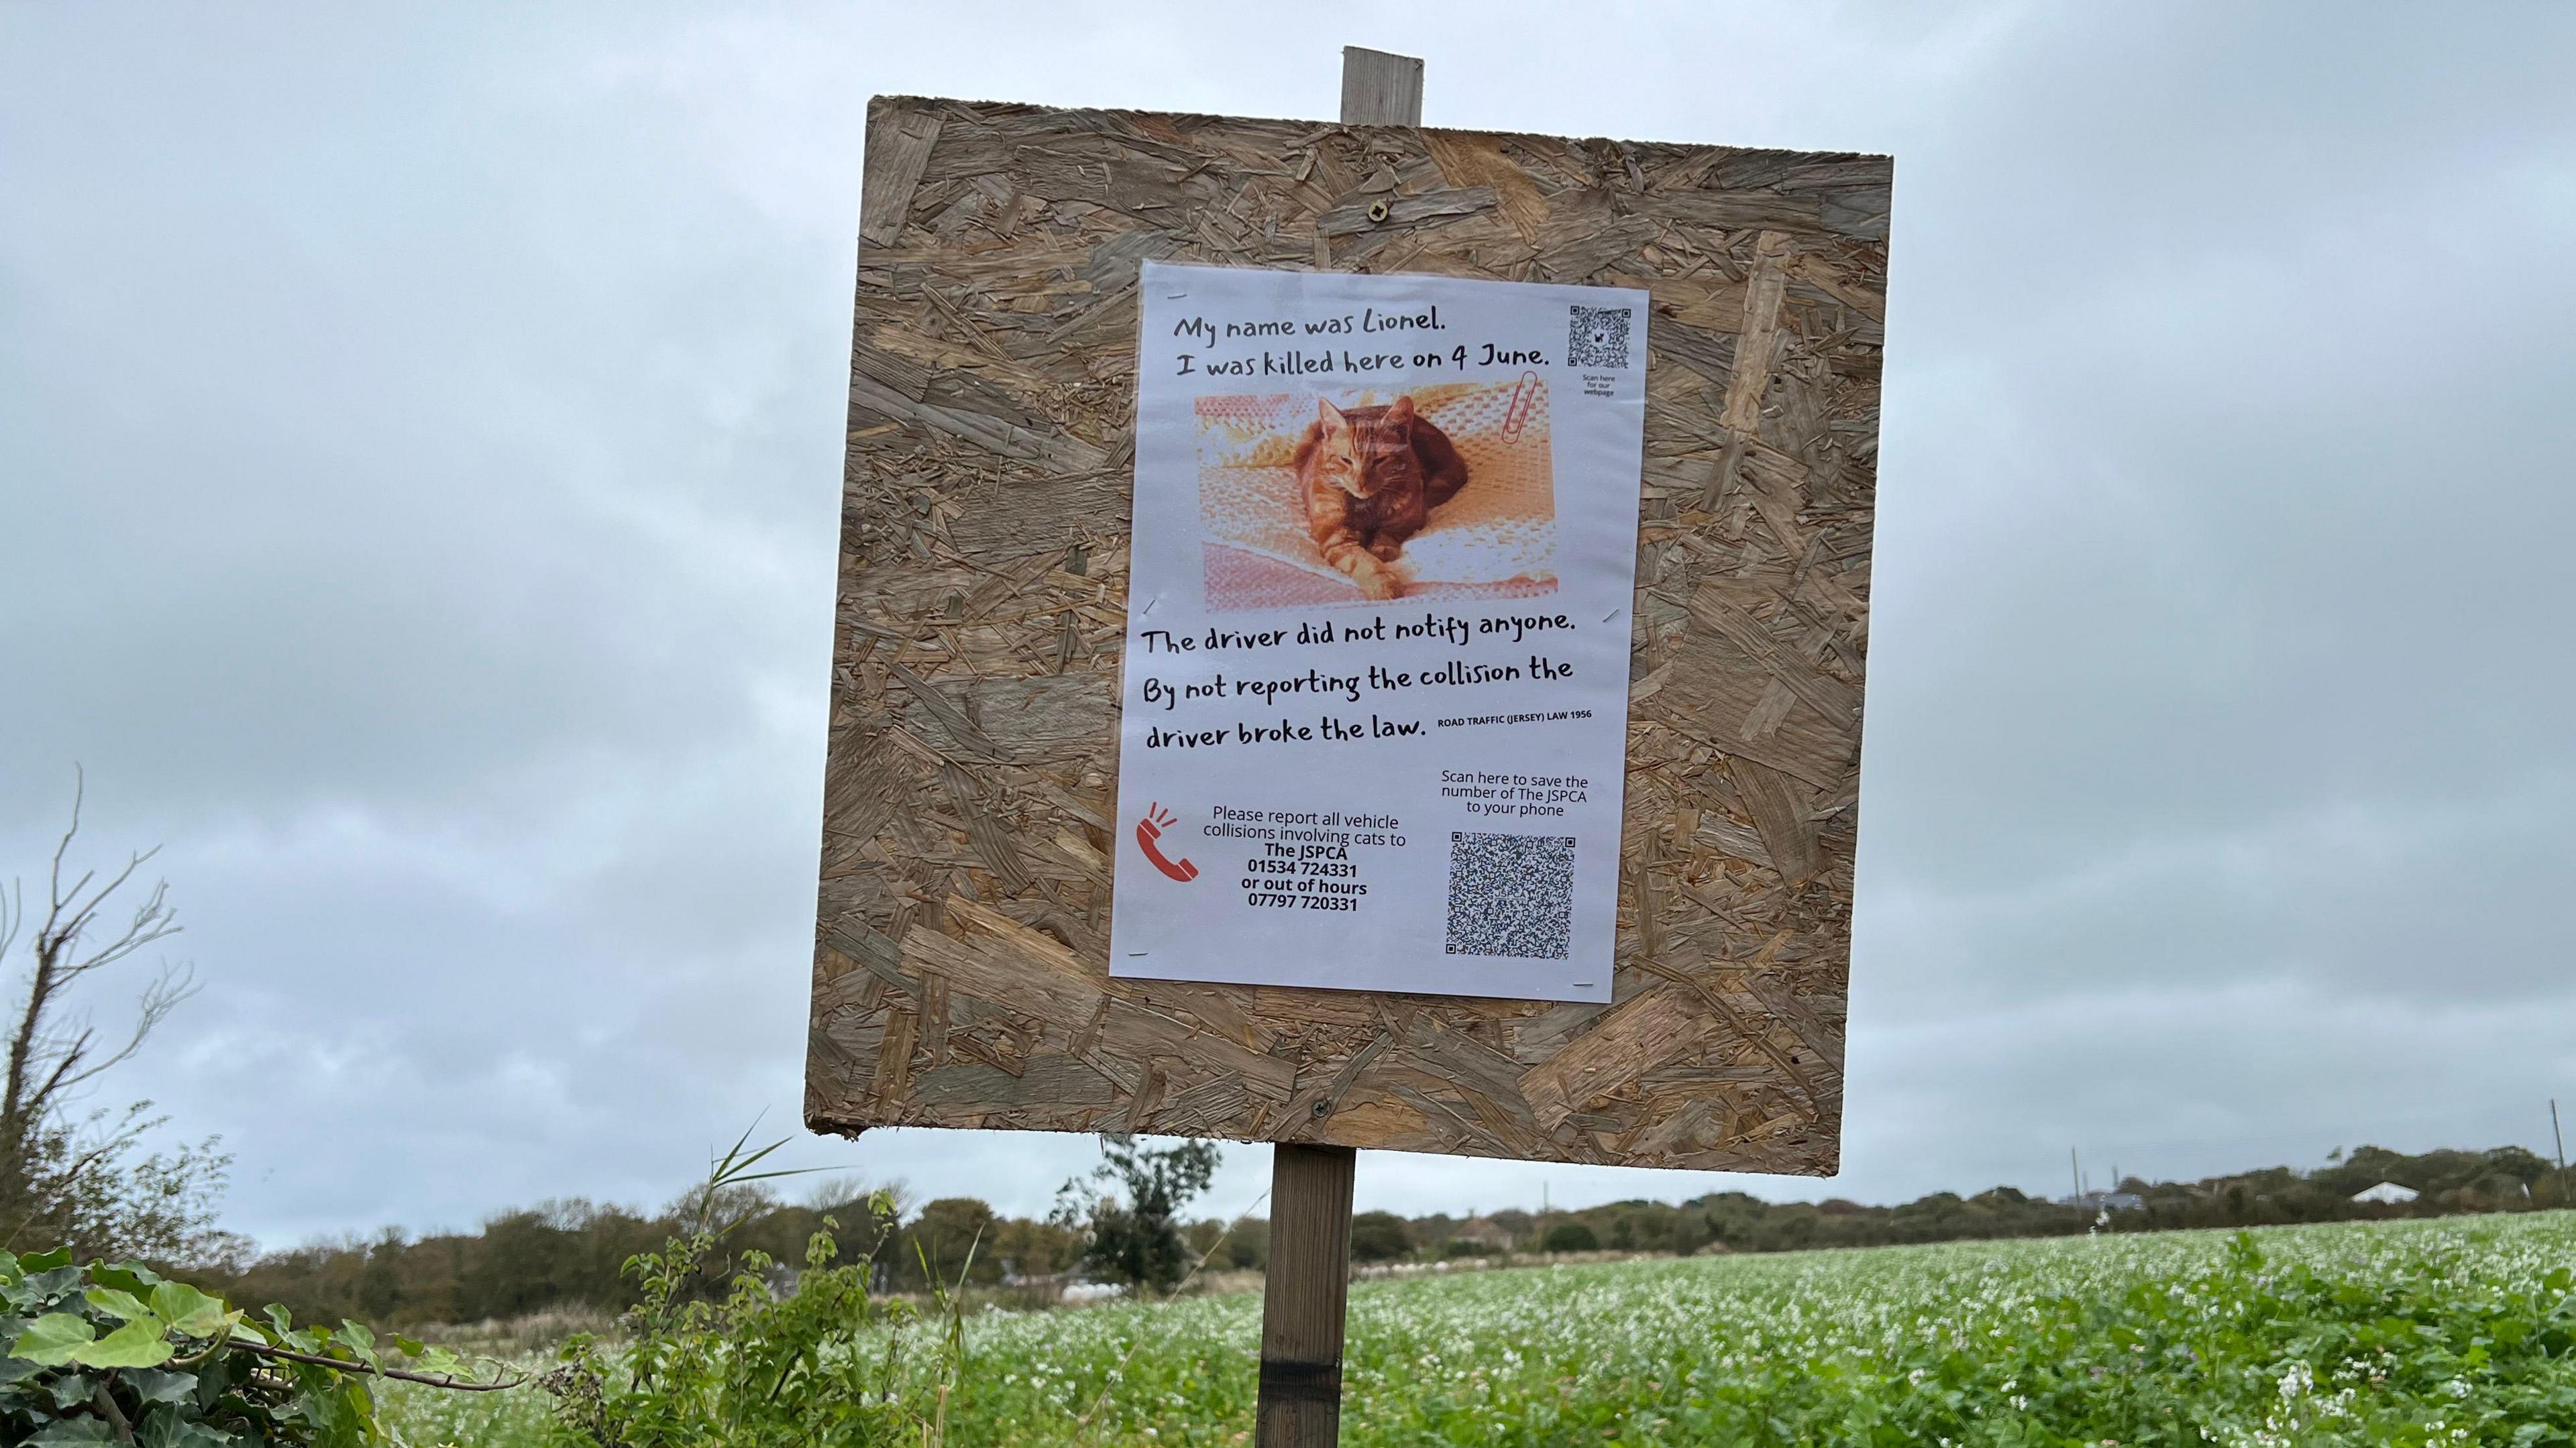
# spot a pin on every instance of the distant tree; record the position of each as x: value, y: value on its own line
x: 532, y: 1258
x: 1202, y: 1236
x: 2370, y: 1165
x: 1246, y: 1246
x: 69, y: 1177
x: 953, y: 1237
x: 1229, y: 1245
x: 1690, y: 1232
x: 2517, y: 1164
x: 1380, y: 1237
x: 1571, y: 1237
x: 1024, y: 1248
x: 380, y: 1294
x: 1132, y: 1232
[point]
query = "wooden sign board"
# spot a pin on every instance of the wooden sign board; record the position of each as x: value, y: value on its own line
x: 961, y: 966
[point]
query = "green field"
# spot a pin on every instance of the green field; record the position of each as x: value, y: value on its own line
x: 2453, y: 1331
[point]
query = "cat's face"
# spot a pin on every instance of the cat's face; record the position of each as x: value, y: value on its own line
x: 1368, y: 450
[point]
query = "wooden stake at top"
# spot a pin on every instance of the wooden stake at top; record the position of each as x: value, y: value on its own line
x: 1379, y: 89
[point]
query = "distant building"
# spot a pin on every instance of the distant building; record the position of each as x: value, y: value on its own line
x: 1483, y: 1231
x: 2389, y: 1192
x: 2105, y: 1201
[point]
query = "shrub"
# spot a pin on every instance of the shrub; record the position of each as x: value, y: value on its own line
x: 1572, y: 1237
x: 1380, y: 1237
x: 754, y: 1369
x: 1134, y: 1237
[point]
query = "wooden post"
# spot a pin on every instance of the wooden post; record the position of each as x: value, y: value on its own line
x: 1304, y: 1295
x: 1308, y: 1286
x: 1379, y: 89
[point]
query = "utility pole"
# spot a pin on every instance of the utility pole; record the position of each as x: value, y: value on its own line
x: 2560, y: 1136
x: 2075, y: 1173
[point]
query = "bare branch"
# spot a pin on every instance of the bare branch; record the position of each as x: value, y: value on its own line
x: 106, y: 1147
x: 80, y: 792
x: 66, y: 1059
x: 153, y: 920
x: 51, y: 1163
x: 163, y: 996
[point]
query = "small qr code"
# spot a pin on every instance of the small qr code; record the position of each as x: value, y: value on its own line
x: 1596, y: 337
x: 1511, y: 895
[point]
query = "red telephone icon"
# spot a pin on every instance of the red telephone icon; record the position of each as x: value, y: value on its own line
x: 1149, y: 829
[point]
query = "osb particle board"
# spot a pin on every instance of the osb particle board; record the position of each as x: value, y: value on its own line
x: 961, y: 963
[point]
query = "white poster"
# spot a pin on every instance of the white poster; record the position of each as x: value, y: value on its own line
x: 1376, y: 681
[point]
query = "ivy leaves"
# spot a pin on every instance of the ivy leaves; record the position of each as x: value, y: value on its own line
x: 116, y: 1353
x: 56, y: 1338
x: 145, y: 1338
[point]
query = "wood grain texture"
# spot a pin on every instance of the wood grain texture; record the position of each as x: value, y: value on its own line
x: 1380, y: 89
x: 961, y: 965
x: 1305, y: 1295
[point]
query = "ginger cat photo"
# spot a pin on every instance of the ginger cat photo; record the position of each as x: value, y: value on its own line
x: 1369, y: 477
x: 1362, y: 495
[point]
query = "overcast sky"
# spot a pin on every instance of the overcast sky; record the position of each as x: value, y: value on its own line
x: 420, y: 442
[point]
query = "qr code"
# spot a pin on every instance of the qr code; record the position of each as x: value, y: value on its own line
x: 1511, y: 895
x: 1596, y: 337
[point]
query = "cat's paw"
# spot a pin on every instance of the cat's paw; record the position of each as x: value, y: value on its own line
x: 1387, y: 548
x: 1374, y: 582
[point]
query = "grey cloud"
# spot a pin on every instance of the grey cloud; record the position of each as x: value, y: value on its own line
x: 419, y: 448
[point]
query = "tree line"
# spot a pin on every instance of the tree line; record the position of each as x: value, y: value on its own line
x: 572, y: 1253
